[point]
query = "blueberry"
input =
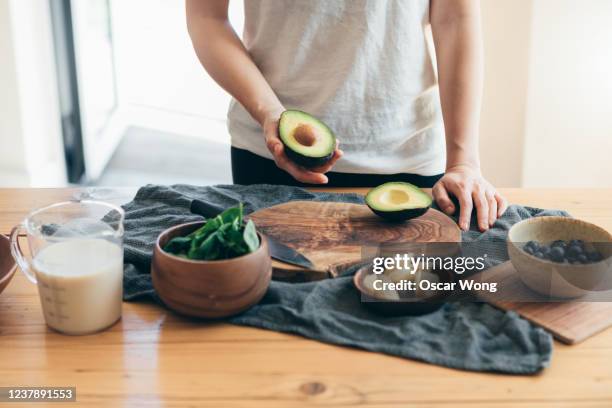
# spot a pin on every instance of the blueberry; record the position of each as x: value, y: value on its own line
x: 528, y: 249
x: 545, y: 250
x: 574, y: 251
x: 582, y: 258
x: 594, y: 256
x: 533, y: 245
x: 559, y: 244
x: 557, y: 254
x: 577, y: 242
x: 539, y: 255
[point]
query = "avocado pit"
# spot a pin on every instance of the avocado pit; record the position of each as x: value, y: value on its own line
x: 308, y: 141
x: 305, y: 135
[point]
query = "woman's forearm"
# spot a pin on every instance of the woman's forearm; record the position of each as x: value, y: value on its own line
x: 458, y: 42
x: 227, y: 61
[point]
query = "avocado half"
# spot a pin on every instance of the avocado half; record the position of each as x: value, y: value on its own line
x: 308, y: 141
x: 398, y: 201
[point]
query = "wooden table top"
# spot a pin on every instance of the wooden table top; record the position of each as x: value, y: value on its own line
x: 155, y: 358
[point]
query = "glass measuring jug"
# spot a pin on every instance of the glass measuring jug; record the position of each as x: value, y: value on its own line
x: 76, y: 260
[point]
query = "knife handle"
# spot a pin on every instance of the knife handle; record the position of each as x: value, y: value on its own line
x: 205, y: 209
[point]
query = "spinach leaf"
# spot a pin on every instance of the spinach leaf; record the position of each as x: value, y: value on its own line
x: 232, y: 214
x: 250, y: 236
x: 209, y: 250
x: 178, y: 244
x: 222, y: 237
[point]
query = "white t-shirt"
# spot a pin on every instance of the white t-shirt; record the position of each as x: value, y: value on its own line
x: 361, y: 66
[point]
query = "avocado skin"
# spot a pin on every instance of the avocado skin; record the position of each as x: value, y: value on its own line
x: 397, y: 215
x: 401, y: 215
x: 305, y: 161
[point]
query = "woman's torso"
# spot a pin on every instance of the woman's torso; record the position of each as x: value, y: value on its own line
x: 362, y: 66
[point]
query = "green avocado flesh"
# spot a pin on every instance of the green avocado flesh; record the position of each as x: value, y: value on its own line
x: 308, y: 141
x: 398, y: 201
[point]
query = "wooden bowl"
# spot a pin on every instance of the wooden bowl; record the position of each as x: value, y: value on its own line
x: 210, y: 289
x: 405, y: 306
x: 7, y: 263
x: 560, y: 280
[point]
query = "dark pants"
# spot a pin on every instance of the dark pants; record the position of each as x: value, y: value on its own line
x: 249, y: 168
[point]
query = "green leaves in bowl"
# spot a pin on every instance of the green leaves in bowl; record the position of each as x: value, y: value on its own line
x: 224, y: 237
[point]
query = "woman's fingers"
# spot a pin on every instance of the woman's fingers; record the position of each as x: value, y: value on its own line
x: 502, y: 204
x: 271, y: 136
x: 442, y: 198
x: 272, y: 143
x: 473, y: 193
x: 482, y: 208
x: 282, y: 162
x: 337, y: 155
x: 328, y: 166
x: 298, y: 173
x: 308, y: 176
x: 463, y: 194
x: 490, y: 195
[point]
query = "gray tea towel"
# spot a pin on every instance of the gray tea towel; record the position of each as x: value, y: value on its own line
x: 471, y: 336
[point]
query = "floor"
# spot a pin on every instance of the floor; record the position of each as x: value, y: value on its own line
x: 150, y: 156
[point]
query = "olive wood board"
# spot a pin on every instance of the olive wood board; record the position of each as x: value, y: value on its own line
x: 333, y: 235
x: 568, y: 321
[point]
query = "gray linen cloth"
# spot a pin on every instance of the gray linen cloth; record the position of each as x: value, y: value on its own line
x: 470, y: 336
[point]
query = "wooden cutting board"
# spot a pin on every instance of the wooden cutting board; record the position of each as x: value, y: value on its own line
x: 333, y: 235
x: 570, y: 322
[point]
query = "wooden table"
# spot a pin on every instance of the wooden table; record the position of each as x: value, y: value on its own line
x: 155, y: 358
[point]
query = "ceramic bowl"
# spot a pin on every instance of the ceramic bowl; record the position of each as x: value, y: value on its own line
x: 209, y: 289
x: 7, y: 263
x: 401, y: 306
x: 560, y: 280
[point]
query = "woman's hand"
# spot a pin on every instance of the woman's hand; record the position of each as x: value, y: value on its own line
x: 228, y: 62
x: 470, y: 188
x: 301, y: 174
x: 457, y: 36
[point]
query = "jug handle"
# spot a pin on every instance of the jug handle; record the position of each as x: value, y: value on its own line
x: 18, y: 254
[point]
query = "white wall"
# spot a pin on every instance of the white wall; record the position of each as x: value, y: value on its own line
x: 30, y: 130
x: 547, y: 112
x: 568, y: 138
x: 506, y: 28
x: 12, y: 163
